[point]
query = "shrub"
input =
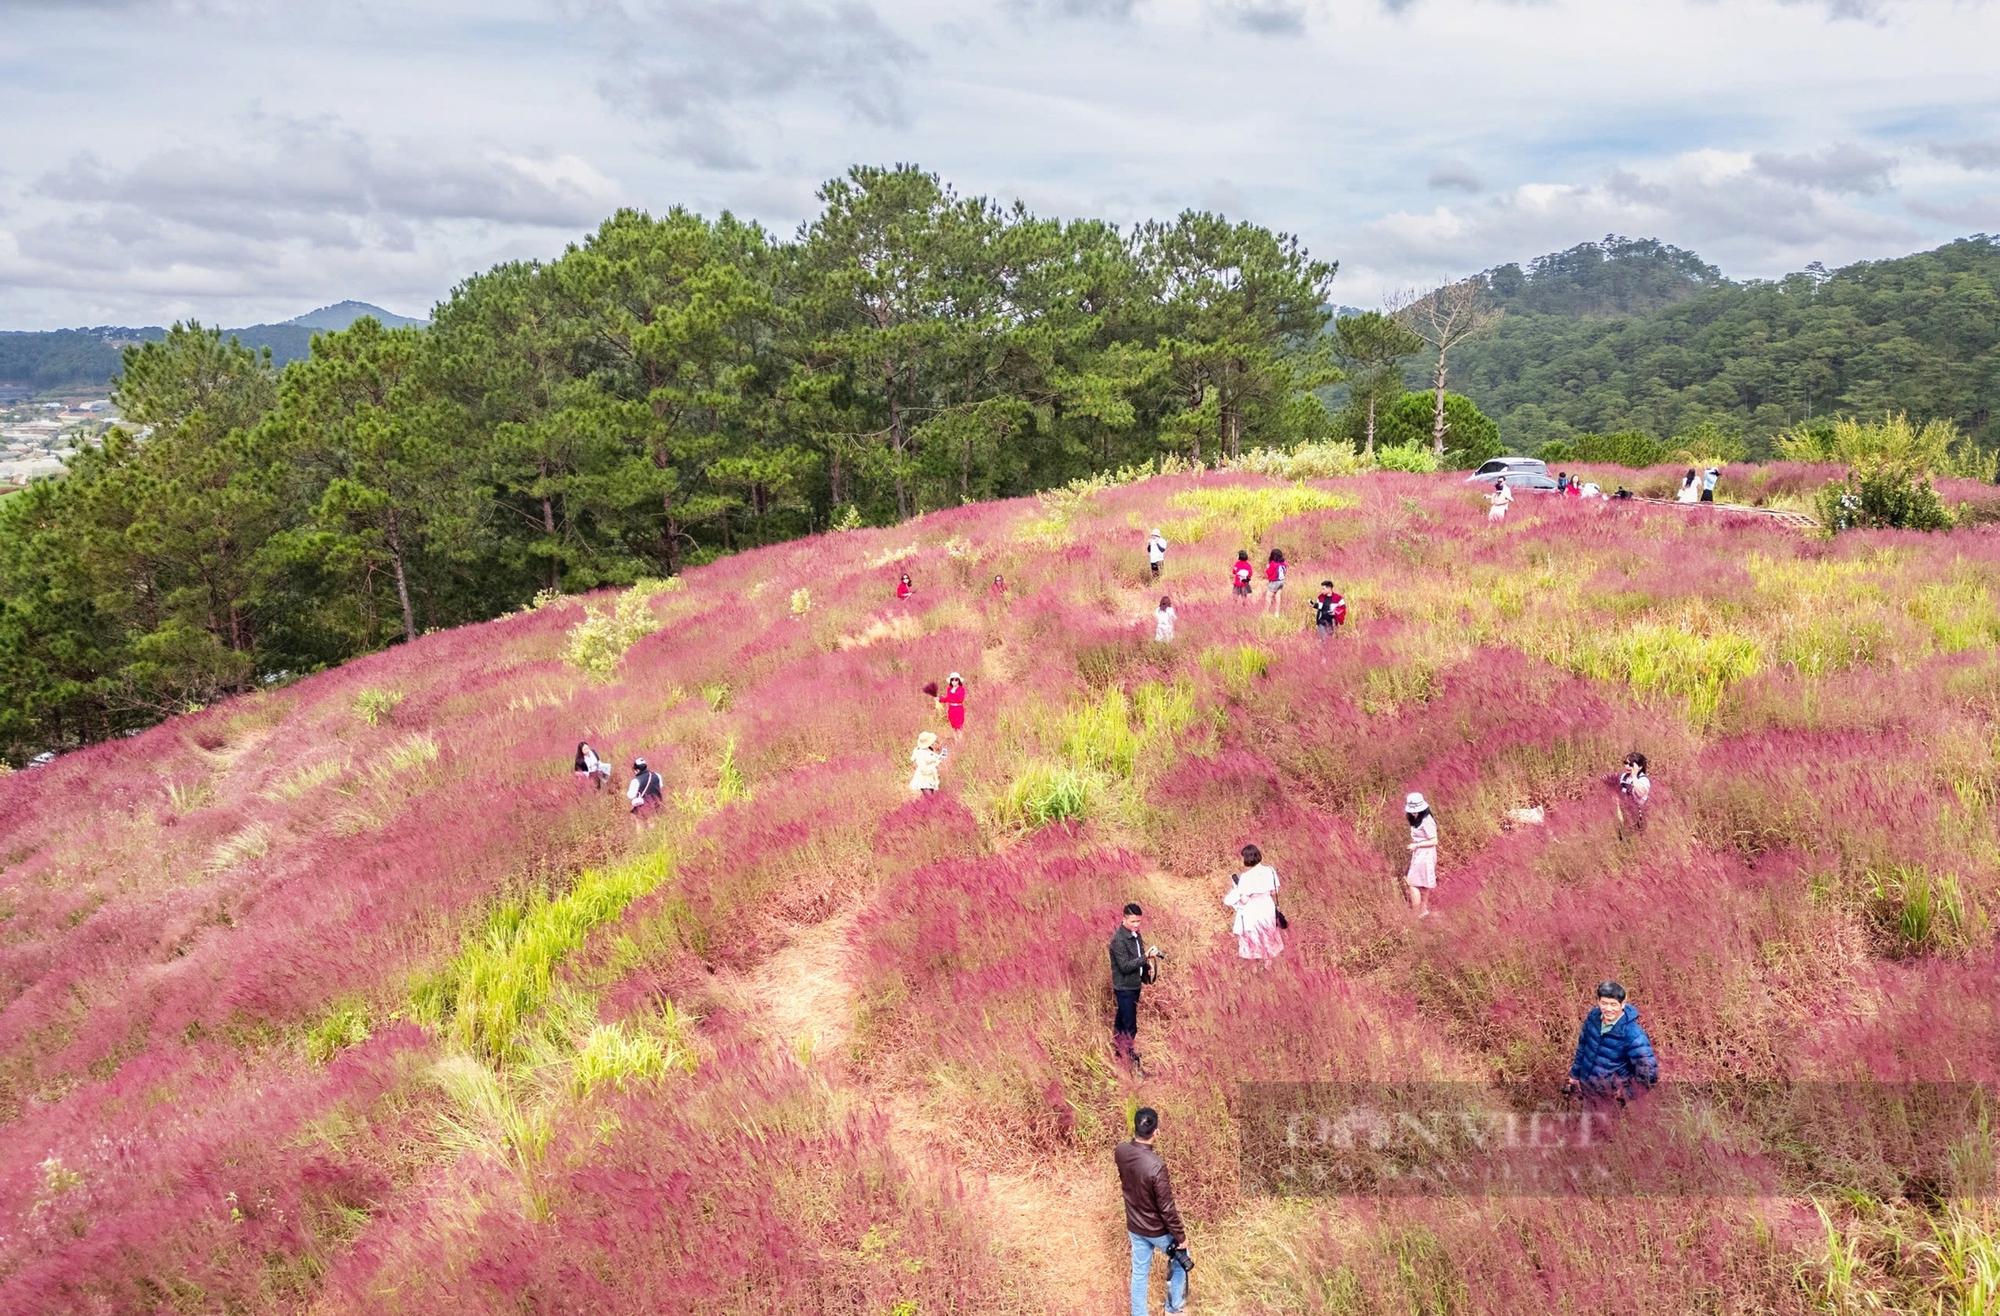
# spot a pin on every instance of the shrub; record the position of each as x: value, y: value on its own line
x: 597, y: 642
x: 1414, y: 458
x: 1308, y: 461
x: 1882, y: 493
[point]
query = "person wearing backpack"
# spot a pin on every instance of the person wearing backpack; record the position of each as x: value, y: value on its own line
x: 1329, y: 611
x: 1240, y: 574
x: 1274, y: 578
x: 645, y: 790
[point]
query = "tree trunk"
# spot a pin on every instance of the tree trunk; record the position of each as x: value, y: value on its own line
x: 1369, y: 451
x: 549, y: 529
x: 402, y: 581
x: 896, y: 440
x: 1437, y: 415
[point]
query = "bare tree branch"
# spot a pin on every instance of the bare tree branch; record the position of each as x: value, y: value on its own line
x: 1444, y: 317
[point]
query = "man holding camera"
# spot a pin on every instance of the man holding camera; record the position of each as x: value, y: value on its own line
x: 1151, y: 1217
x: 1132, y: 966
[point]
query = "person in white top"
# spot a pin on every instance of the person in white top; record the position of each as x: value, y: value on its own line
x: 1690, y: 488
x: 1156, y: 550
x: 1634, y: 788
x: 1423, y: 874
x: 1259, y: 935
x: 926, y: 759
x: 1497, y: 502
x: 1163, y: 622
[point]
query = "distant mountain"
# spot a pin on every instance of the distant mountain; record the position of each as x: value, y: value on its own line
x: 341, y: 314
x: 1618, y: 276
x: 72, y: 359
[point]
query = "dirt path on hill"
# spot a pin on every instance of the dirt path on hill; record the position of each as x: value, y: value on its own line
x: 1057, y: 1223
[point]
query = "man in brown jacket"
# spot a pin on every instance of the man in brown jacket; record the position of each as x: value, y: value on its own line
x: 1150, y: 1214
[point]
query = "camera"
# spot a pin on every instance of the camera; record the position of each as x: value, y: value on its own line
x: 1156, y: 952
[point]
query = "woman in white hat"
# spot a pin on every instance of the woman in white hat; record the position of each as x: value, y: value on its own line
x: 952, y: 701
x: 1423, y: 874
x: 926, y: 759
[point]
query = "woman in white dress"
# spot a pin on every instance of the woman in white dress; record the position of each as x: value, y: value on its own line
x: 1423, y: 875
x: 1497, y: 501
x: 1163, y: 622
x: 1690, y: 488
x: 1251, y: 895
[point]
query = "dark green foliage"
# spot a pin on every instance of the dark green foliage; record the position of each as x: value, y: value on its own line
x: 1470, y: 437
x: 1625, y: 448
x: 1618, y: 276
x: 1920, y: 334
x: 1882, y: 494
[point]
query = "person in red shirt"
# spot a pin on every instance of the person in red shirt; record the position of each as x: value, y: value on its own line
x: 952, y: 701
x: 1239, y: 575
x: 1329, y: 611
x: 1274, y: 578
x: 903, y: 586
x: 999, y: 590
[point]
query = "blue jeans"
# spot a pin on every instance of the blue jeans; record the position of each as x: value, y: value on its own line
x: 1142, y: 1270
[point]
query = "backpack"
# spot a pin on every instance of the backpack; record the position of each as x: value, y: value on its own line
x: 649, y: 785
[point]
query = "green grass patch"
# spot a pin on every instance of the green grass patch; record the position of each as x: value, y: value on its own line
x: 1253, y: 511
x: 372, y: 706
x: 495, y: 985
x: 1044, y: 793
x: 1236, y: 666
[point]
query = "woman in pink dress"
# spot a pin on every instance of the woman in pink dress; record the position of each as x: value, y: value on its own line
x: 953, y: 702
x: 1252, y: 895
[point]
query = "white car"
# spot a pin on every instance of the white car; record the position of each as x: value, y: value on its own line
x: 1500, y: 467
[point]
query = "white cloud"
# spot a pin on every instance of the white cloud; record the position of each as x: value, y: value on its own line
x: 246, y: 162
x: 1726, y: 206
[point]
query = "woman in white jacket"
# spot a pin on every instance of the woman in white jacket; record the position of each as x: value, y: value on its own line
x: 1252, y: 895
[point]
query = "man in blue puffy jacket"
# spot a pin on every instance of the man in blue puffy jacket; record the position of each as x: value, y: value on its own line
x: 1614, y: 1057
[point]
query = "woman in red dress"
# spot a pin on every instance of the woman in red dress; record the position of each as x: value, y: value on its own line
x: 903, y: 586
x: 953, y: 702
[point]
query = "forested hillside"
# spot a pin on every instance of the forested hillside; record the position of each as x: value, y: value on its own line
x: 670, y: 390
x: 1638, y: 335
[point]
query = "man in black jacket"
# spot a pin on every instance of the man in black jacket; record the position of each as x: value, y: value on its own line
x: 1131, y: 968
x: 1151, y: 1217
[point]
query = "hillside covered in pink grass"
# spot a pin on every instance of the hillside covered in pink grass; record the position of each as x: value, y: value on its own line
x: 354, y: 996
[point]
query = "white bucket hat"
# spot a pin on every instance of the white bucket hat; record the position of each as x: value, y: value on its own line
x: 1415, y: 802
x: 954, y: 677
x: 927, y: 738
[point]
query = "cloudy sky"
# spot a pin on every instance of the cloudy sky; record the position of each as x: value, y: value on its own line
x: 245, y: 161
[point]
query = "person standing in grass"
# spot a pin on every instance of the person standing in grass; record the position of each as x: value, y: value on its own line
x: 999, y: 587
x: 1423, y: 875
x: 1274, y: 578
x: 1163, y: 621
x: 645, y: 792
x: 1614, y: 1057
x: 1253, y: 895
x: 925, y: 760
x: 1132, y: 967
x: 952, y: 701
x: 903, y: 587
x: 1240, y: 574
x: 1156, y: 550
x: 589, y: 767
x: 1635, y: 789
x: 1709, y: 479
x: 1151, y: 1217
x: 1329, y: 611
x: 1690, y: 492
x: 1497, y: 501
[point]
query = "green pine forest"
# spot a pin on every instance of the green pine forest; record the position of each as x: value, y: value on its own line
x: 677, y: 387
